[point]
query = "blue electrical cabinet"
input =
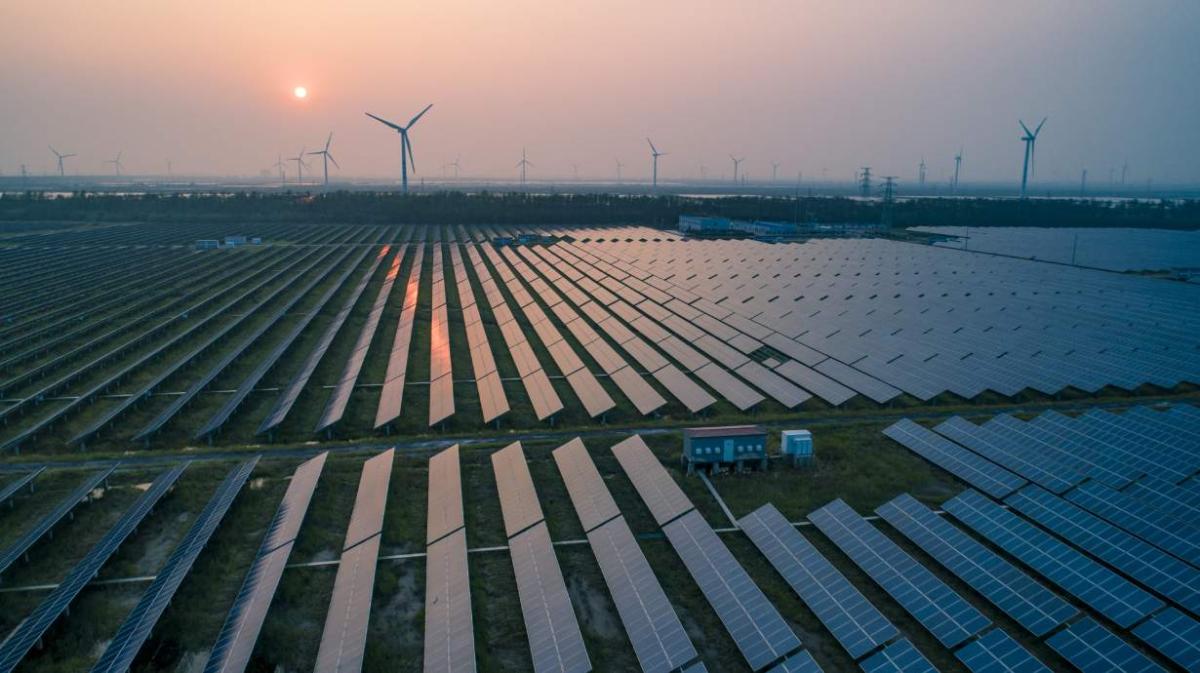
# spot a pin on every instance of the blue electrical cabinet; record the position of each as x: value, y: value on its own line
x: 736, y: 445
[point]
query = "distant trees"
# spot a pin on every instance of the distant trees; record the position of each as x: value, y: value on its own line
x: 528, y: 209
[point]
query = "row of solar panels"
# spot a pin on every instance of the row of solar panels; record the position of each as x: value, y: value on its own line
x: 871, y: 304
x: 1127, y: 552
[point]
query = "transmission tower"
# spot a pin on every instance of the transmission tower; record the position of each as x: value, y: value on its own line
x: 864, y: 182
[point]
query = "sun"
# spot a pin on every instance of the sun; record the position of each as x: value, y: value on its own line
x: 300, y: 92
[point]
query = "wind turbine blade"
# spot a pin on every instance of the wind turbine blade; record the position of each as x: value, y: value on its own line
x: 328, y: 140
x: 1039, y: 127
x: 653, y: 149
x: 408, y: 145
x: 419, y: 115
x: 335, y: 163
x: 384, y: 121
x: 68, y: 156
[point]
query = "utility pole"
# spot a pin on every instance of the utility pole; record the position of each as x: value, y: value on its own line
x: 864, y: 182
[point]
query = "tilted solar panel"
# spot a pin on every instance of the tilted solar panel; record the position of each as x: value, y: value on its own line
x: 555, y: 642
x: 946, y: 615
x: 34, y: 627
x: 756, y: 627
x: 593, y: 503
x: 848, y: 615
x: 959, y: 461
x: 518, y: 500
x: 1091, y: 647
x: 1021, y: 597
x: 996, y: 652
x: 654, y: 484
x: 801, y: 662
x: 235, y: 642
x: 899, y: 657
x: 1175, y: 635
x: 121, y: 651
x: 1097, y: 586
x: 445, y: 507
x: 344, y: 638
x: 449, y: 634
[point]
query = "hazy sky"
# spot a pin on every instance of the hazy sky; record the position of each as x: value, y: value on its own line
x: 812, y: 85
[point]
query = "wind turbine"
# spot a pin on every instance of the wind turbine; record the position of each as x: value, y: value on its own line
x: 406, y: 153
x: 326, y: 157
x: 300, y: 166
x: 116, y: 163
x: 1030, y: 140
x: 957, y: 165
x: 61, y: 172
x: 654, y: 154
x: 921, y: 172
x: 454, y: 165
x: 522, y: 164
x: 736, y: 163
x: 281, y: 166
x: 774, y: 170
x: 619, y: 167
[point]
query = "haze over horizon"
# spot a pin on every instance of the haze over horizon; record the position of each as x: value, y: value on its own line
x: 820, y: 87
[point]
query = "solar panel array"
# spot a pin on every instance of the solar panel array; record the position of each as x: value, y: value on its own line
x: 1091, y: 647
x: 492, y: 400
x: 335, y: 407
x: 950, y: 618
x: 121, y: 651
x: 31, y: 630
x: 235, y: 642
x: 441, y: 374
x: 880, y: 317
x: 12, y: 488
x: 392, y: 396
x: 654, y: 630
x: 856, y: 624
x: 757, y: 628
x: 344, y: 638
x: 555, y: 642
x: 997, y: 651
x: 1021, y: 597
x: 898, y: 657
x: 449, y: 634
x: 21, y: 546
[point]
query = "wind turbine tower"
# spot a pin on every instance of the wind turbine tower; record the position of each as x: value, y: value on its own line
x: 326, y: 157
x: 1124, y: 170
x: 736, y: 164
x: 300, y: 166
x: 774, y: 171
x: 1030, y: 139
x: 1083, y: 183
x: 280, y: 166
x: 406, y: 153
x: 522, y: 164
x: 654, y: 154
x: 921, y: 172
x: 61, y: 171
x: 116, y: 164
x: 619, y: 167
x: 957, y: 166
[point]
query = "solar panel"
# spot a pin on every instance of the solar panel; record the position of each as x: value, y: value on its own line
x: 555, y: 642
x: 1175, y: 635
x: 801, y: 662
x: 449, y: 635
x: 1036, y: 467
x: 899, y: 657
x: 693, y: 397
x: 654, y: 484
x: 121, y: 651
x: 773, y: 384
x: 391, y: 398
x: 445, y: 496
x: 1091, y: 647
x: 644, y: 397
x: 654, y: 630
x: 1143, y: 562
x: 1097, y: 586
x: 518, y: 499
x: 729, y: 386
x: 1021, y: 597
x: 856, y: 624
x: 757, y: 628
x: 235, y: 643
x: 996, y: 652
x: 810, y: 379
x: 341, y: 396
x: 19, y: 483
x: 936, y: 606
x: 21, y: 547
x: 593, y: 503
x: 1180, y: 538
x: 962, y: 463
x: 31, y: 630
x: 344, y: 638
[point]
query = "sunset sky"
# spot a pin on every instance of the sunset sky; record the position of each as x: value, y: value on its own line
x: 812, y: 85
